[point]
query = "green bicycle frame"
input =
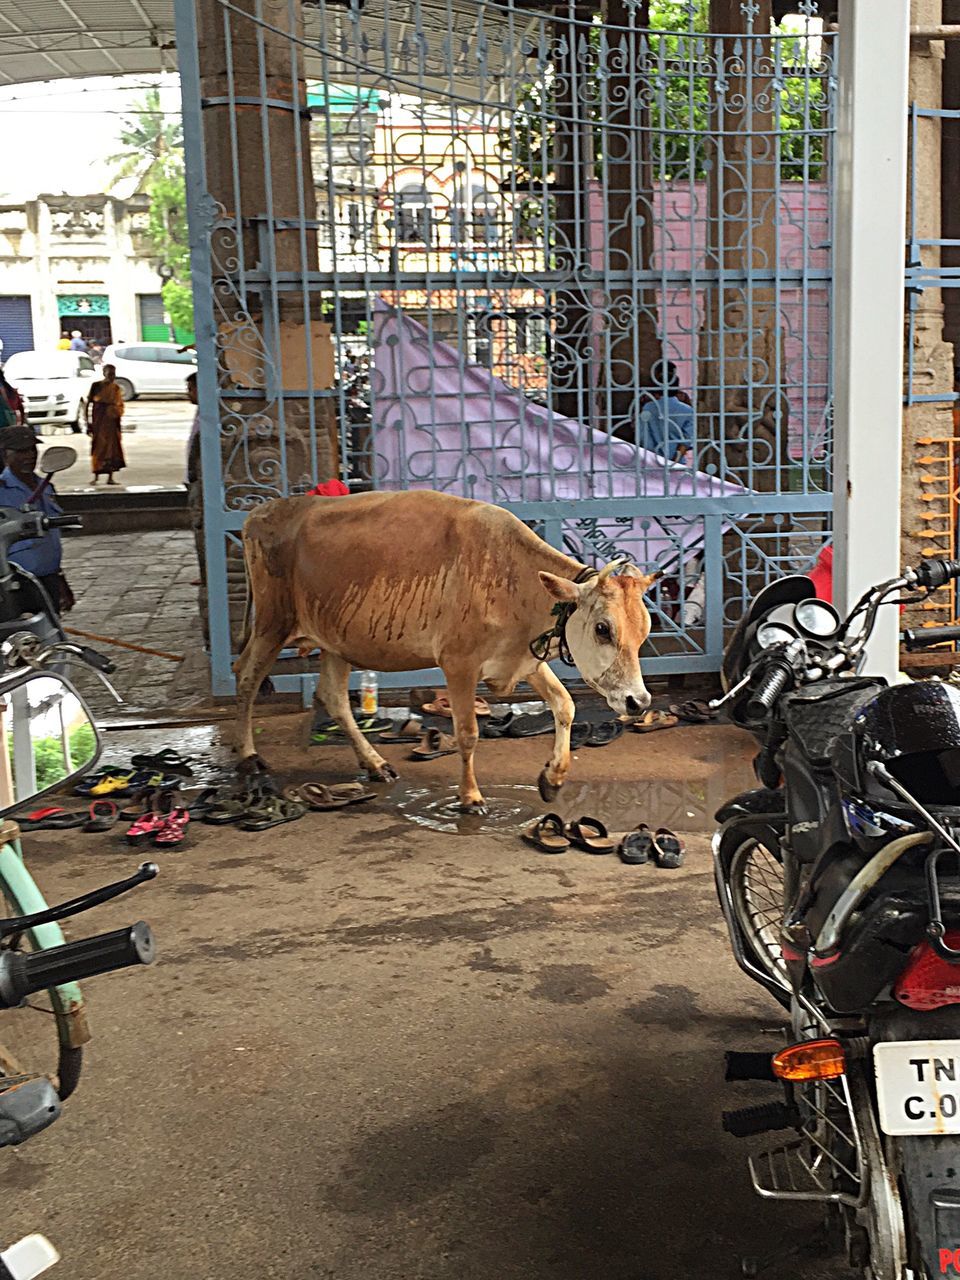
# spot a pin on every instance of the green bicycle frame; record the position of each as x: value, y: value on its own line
x: 21, y: 891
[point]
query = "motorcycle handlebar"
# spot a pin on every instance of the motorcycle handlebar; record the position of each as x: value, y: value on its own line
x: 97, y: 660
x: 925, y: 637
x: 935, y: 573
x: 22, y: 974
x: 773, y: 683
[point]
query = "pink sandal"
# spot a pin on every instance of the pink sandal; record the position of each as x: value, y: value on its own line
x: 172, y: 828
x: 148, y: 824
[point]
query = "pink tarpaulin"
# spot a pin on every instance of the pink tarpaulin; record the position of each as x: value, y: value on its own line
x: 443, y: 423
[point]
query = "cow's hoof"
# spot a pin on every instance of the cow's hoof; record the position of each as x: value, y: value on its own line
x: 252, y: 765
x: 548, y: 790
x: 386, y: 773
x: 478, y: 807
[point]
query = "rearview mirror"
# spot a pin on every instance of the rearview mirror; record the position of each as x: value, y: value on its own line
x: 57, y: 458
x: 49, y: 735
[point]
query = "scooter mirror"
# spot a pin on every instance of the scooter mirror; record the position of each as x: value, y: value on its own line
x: 57, y: 458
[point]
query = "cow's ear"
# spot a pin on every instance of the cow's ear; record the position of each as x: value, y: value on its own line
x: 560, y: 588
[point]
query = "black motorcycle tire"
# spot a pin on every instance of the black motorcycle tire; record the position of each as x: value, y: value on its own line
x: 755, y: 878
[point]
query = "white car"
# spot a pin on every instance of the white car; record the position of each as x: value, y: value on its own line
x: 54, y: 386
x: 154, y: 368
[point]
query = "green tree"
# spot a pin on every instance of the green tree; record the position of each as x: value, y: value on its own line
x: 153, y: 157
x: 148, y: 137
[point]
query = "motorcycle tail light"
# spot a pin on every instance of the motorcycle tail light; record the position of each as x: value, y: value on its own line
x: 811, y: 1060
x: 929, y: 981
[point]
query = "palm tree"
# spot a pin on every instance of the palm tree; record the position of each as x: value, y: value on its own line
x: 148, y: 138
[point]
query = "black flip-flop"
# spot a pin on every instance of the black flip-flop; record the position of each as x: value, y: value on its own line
x: 601, y: 735
x: 52, y: 820
x: 668, y: 849
x: 547, y: 834
x: 165, y: 761
x: 496, y: 726
x: 580, y: 731
x: 531, y: 726
x: 636, y: 846
x: 590, y: 835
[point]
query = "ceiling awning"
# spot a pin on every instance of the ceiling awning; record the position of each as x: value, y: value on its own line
x: 69, y: 39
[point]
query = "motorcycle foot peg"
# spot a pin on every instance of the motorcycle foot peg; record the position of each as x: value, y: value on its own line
x: 748, y: 1066
x: 762, y: 1119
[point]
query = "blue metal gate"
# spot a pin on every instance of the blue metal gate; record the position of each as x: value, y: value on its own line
x: 580, y: 268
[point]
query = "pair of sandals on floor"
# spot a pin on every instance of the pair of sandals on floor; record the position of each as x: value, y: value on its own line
x: 550, y: 834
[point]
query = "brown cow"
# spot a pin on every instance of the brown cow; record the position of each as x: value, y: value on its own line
x: 400, y: 581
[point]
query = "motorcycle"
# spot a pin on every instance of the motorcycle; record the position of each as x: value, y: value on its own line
x: 839, y: 880
x: 50, y: 739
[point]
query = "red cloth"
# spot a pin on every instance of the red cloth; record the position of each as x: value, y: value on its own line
x: 821, y: 575
x: 330, y: 489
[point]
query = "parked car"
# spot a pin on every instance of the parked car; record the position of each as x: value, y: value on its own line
x: 152, y: 368
x: 54, y: 386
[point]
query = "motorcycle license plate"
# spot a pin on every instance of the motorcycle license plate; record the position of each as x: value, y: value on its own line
x: 918, y: 1086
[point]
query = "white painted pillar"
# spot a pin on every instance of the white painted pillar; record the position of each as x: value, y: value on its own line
x: 871, y: 180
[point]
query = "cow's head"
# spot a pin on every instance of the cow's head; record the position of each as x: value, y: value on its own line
x: 605, y: 631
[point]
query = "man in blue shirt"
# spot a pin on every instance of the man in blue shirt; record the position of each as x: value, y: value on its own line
x: 667, y: 427
x: 18, y: 481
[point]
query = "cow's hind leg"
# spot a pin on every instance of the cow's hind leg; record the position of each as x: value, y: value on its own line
x: 552, y: 691
x: 462, y: 688
x: 251, y: 669
x: 333, y: 692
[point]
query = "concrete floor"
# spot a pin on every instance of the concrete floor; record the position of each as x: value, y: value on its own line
x: 375, y: 1049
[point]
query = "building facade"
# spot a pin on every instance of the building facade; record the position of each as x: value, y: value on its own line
x: 77, y: 262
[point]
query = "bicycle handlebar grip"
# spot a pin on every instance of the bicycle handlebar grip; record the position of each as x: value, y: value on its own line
x: 94, y: 659
x: 774, y: 683
x: 24, y: 973
x: 63, y: 522
x: 923, y: 638
x: 934, y: 573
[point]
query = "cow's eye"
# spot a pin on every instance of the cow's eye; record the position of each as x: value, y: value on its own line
x: 603, y: 632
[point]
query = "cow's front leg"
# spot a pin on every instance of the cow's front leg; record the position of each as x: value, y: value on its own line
x: 462, y: 688
x: 555, y: 695
x: 333, y: 690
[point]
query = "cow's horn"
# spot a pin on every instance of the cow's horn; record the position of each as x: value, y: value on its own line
x: 621, y: 562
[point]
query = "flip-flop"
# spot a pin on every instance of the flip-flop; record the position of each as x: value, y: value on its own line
x: 85, y: 786
x: 546, y: 834
x: 442, y: 706
x: 166, y: 760
x: 51, y: 820
x: 580, y: 731
x: 651, y: 721
x: 590, y: 835
x: 496, y: 726
x: 668, y: 849
x: 231, y: 808
x: 316, y: 796
x: 147, y: 825
x: 272, y: 811
x: 410, y: 731
x: 636, y: 846
x: 103, y: 815
x: 434, y: 743
x: 371, y: 724
x: 601, y: 735
x: 694, y: 711
x: 199, y: 804
x: 531, y: 726
x: 172, y: 828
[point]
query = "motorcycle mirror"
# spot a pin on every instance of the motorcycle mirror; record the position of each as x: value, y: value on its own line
x: 57, y: 458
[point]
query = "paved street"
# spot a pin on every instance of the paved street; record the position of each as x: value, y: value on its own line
x: 375, y: 1049
x: 155, y: 451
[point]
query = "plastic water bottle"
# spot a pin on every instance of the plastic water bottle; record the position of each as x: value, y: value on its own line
x: 369, y: 699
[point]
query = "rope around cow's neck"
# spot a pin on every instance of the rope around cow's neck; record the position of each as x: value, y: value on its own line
x: 562, y: 610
